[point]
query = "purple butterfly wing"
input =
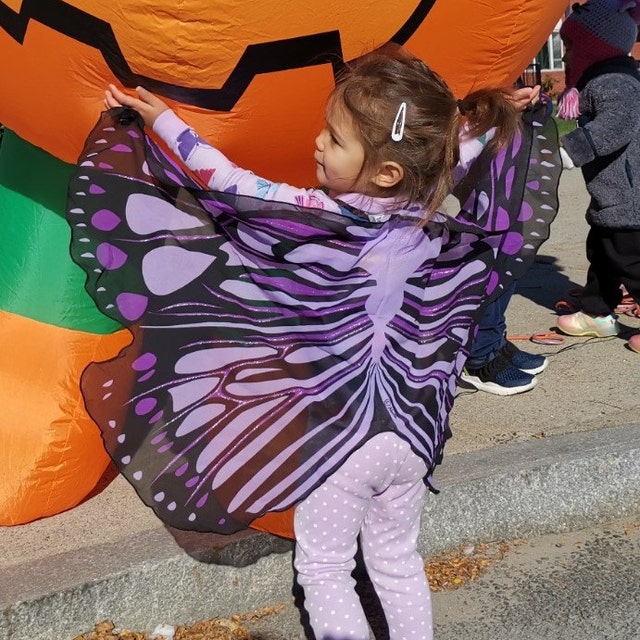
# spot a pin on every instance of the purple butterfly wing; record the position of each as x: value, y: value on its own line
x: 513, y: 195
x: 269, y: 341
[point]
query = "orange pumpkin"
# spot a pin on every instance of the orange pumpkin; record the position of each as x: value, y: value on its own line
x: 251, y: 77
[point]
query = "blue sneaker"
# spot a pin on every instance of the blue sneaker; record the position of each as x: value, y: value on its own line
x: 499, y: 377
x: 528, y: 362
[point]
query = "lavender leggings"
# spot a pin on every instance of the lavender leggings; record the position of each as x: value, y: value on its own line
x: 377, y: 494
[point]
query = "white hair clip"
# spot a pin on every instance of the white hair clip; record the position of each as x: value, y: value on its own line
x: 397, y: 131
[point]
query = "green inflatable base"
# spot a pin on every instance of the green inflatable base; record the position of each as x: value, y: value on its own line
x: 38, y: 279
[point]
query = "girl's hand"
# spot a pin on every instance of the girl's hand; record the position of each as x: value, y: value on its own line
x: 146, y: 104
x: 525, y: 97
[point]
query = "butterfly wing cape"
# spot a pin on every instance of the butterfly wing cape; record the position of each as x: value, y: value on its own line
x: 270, y: 341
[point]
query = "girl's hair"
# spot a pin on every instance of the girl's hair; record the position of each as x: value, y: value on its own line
x: 371, y: 91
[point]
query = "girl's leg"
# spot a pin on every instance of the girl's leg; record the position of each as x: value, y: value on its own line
x: 389, y: 544
x: 327, y: 525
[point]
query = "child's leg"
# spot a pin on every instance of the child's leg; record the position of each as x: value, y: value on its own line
x: 601, y: 293
x: 625, y: 249
x: 327, y: 525
x: 491, y: 331
x: 389, y: 543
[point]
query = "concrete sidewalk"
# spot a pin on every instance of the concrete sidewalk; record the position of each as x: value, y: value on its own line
x: 558, y: 458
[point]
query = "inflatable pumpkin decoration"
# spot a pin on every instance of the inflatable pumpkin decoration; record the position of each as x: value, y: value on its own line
x: 251, y: 76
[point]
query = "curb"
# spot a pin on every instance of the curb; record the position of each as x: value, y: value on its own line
x: 522, y: 490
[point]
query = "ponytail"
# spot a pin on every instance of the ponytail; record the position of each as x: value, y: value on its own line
x: 486, y: 109
x: 474, y: 116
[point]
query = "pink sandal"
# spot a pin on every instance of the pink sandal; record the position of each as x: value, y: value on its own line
x: 628, y: 306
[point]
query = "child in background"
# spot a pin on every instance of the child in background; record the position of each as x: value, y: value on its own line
x: 603, y: 93
x: 386, y: 158
x: 495, y: 364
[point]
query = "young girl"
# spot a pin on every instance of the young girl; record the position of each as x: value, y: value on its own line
x: 302, y: 346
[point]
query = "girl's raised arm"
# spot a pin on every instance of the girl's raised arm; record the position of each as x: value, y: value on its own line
x: 209, y: 163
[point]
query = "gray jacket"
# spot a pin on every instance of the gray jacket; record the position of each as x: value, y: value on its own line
x: 606, y: 144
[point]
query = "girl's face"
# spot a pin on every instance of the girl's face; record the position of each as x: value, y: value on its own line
x: 339, y: 154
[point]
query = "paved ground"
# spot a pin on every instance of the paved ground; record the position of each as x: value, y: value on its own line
x: 555, y: 459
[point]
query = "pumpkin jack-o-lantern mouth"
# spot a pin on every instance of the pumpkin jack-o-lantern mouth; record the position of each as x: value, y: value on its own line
x: 280, y: 55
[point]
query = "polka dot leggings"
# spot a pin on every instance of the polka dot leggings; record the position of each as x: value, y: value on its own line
x: 377, y: 494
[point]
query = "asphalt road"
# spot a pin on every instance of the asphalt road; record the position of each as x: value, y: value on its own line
x: 578, y: 586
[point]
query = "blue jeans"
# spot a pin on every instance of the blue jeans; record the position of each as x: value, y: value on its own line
x: 492, y: 331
